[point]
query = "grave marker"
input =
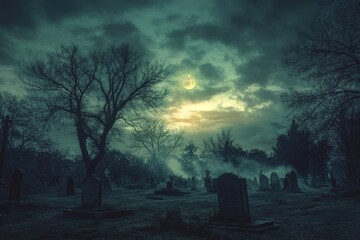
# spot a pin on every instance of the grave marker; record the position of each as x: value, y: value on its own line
x: 91, y: 192
x: 15, y: 186
x: 70, y: 186
x: 233, y: 198
x: 264, y: 182
x: 274, y: 181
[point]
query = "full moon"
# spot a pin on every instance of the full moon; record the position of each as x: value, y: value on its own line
x: 189, y: 82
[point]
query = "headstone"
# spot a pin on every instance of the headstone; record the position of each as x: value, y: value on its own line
x: 193, y: 183
x: 15, y: 186
x: 169, y: 186
x: 153, y: 182
x: 286, y: 181
x: 293, y: 182
x: 274, y: 181
x: 70, y: 186
x: 233, y: 199
x: 91, y: 192
x: 264, y: 183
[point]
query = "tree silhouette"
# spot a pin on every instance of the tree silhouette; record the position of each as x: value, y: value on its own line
x: 157, y: 140
x: 189, y: 157
x: 223, y: 147
x: 294, y: 148
x: 94, y: 91
x: 327, y: 58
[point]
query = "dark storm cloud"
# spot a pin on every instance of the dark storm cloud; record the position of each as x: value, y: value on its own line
x: 26, y: 14
x: 212, y: 74
x: 170, y: 18
x: 254, y: 28
x: 258, y: 97
x: 6, y: 49
x: 257, y: 70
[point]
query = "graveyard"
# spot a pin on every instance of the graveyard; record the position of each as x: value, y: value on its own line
x: 309, y: 214
x: 180, y: 120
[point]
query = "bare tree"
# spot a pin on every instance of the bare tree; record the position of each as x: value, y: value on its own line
x: 327, y: 58
x: 157, y: 141
x: 25, y: 133
x: 223, y: 147
x: 94, y: 90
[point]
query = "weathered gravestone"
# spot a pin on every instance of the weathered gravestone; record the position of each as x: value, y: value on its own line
x: 193, y: 183
x: 152, y: 182
x: 234, y: 211
x: 293, y: 182
x: 286, y: 181
x: 264, y: 182
x: 233, y: 198
x: 15, y: 186
x: 70, y: 186
x: 274, y: 181
x: 91, y: 192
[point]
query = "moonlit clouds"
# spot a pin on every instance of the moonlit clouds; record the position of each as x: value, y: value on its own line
x: 232, y: 48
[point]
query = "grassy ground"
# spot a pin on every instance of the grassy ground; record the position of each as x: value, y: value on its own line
x: 311, y: 214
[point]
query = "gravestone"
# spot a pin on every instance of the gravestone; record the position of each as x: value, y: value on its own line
x: 91, y: 192
x: 169, y: 186
x: 193, y: 183
x: 233, y: 199
x: 293, y: 182
x: 286, y: 181
x: 264, y: 183
x: 15, y: 186
x: 274, y: 181
x: 153, y: 182
x: 70, y: 186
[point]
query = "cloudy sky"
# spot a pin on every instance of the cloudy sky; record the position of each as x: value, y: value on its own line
x: 225, y: 54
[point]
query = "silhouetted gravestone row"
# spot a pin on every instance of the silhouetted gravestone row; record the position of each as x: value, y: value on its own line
x: 290, y: 182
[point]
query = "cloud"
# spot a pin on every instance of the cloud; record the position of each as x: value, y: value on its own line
x: 6, y: 51
x: 212, y: 73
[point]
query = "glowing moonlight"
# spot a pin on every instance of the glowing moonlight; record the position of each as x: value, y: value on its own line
x: 189, y: 82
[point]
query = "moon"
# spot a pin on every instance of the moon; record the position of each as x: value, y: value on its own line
x: 189, y: 82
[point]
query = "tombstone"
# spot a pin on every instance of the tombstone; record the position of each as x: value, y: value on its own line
x: 152, y: 182
x: 293, y: 182
x: 193, y: 183
x: 264, y: 183
x: 207, y: 181
x: 169, y: 186
x: 274, y: 181
x: 15, y: 186
x: 286, y: 181
x: 255, y: 181
x: 70, y: 186
x: 91, y: 192
x: 233, y: 199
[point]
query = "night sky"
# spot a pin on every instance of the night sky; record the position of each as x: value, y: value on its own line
x: 224, y: 54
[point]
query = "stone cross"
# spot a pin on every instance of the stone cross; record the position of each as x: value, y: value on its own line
x: 233, y: 199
